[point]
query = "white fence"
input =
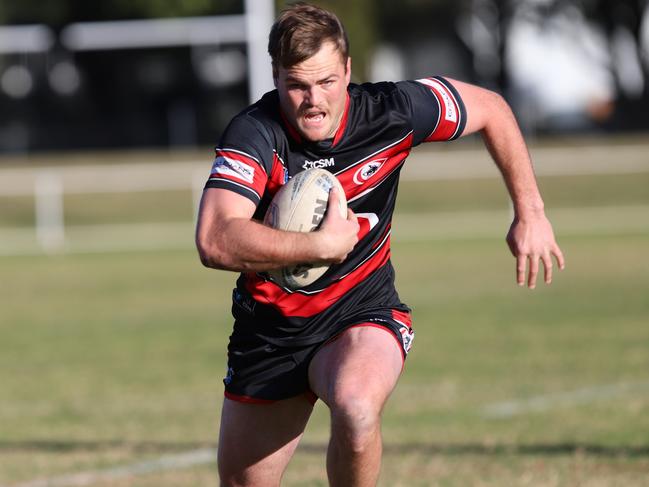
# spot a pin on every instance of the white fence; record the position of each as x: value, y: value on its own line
x: 49, y: 184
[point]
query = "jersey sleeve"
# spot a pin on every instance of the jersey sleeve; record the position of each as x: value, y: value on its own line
x: 243, y: 160
x: 437, y: 110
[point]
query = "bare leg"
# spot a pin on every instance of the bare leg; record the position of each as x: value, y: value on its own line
x: 354, y: 375
x: 257, y: 441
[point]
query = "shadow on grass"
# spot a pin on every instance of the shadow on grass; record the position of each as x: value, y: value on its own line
x: 456, y: 449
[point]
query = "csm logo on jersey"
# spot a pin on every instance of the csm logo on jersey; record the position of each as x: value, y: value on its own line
x: 319, y: 164
x: 367, y: 170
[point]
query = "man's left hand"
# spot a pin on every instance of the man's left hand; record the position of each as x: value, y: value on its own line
x: 531, y: 240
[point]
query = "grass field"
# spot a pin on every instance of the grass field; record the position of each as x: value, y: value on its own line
x: 112, y: 361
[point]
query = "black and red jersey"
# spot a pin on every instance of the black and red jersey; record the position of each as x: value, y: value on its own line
x: 259, y: 151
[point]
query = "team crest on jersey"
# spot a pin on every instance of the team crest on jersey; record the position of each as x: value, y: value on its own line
x: 231, y: 167
x: 367, y: 170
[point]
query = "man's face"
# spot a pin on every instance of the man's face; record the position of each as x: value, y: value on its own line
x: 313, y: 93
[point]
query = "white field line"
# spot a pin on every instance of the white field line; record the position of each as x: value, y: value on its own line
x: 547, y: 402
x: 407, y: 227
x: 168, y: 462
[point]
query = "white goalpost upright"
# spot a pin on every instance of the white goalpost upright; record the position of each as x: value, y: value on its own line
x: 259, y: 18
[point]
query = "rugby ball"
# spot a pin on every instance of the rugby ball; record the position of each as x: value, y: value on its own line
x: 300, y: 206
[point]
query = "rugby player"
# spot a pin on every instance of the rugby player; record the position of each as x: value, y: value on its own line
x: 344, y: 338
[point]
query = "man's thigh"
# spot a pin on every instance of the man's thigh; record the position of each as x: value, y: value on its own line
x: 257, y: 441
x: 364, y: 361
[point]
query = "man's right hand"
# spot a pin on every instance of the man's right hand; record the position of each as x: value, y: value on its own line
x: 336, y: 236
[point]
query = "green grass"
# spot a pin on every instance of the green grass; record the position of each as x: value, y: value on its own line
x: 108, y: 359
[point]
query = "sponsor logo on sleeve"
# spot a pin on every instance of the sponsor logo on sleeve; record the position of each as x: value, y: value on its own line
x: 367, y: 170
x: 231, y: 167
x: 450, y: 113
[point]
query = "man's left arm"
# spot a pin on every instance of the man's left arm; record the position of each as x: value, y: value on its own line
x: 530, y: 238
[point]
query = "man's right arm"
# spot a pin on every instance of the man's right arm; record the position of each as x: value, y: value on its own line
x: 228, y: 238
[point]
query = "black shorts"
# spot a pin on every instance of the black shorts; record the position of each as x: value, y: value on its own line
x: 269, y: 354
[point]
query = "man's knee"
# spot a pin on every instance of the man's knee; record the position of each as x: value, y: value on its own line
x: 230, y: 475
x: 355, y: 422
x: 233, y: 475
x: 229, y: 480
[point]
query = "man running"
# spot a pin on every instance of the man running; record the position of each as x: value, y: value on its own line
x: 344, y: 338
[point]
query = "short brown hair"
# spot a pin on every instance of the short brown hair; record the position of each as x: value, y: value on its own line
x: 300, y: 31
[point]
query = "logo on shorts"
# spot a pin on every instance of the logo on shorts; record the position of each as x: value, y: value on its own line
x: 228, y: 376
x: 245, y: 301
x: 407, y: 336
x: 367, y: 170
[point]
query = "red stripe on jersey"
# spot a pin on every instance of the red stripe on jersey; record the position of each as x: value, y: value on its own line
x: 239, y: 168
x: 305, y: 305
x: 363, y: 227
x: 278, y: 175
x: 449, y: 111
x: 371, y: 171
x: 387, y: 230
x: 366, y: 222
